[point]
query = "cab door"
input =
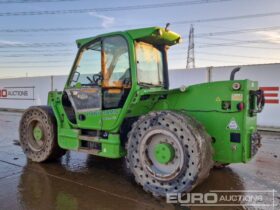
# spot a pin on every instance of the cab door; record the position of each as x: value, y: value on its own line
x: 100, y: 83
x: 116, y: 82
x: 85, y: 91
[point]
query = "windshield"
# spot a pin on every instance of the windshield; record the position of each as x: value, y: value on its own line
x: 149, y: 64
x: 114, y: 72
x: 88, y: 64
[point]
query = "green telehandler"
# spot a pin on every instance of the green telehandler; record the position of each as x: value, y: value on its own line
x: 117, y: 103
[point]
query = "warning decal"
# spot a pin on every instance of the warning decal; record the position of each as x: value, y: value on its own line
x: 237, y: 97
x: 218, y: 99
x: 233, y: 125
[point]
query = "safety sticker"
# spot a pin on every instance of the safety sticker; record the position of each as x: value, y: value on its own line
x: 237, y: 97
x: 233, y: 125
x: 218, y: 99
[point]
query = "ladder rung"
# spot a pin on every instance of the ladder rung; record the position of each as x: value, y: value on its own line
x: 89, y: 138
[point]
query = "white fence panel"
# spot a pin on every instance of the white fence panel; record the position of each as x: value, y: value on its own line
x: 268, y: 77
x: 59, y: 82
x: 180, y: 77
x: 34, y: 91
x: 20, y: 93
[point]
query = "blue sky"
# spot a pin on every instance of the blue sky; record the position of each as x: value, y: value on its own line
x: 19, y: 61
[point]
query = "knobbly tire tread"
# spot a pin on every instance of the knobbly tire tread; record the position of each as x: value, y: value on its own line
x: 51, y: 150
x: 202, y: 145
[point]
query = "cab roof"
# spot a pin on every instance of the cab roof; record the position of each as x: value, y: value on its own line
x: 153, y: 35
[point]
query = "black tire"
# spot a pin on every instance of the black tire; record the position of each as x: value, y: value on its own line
x: 46, y: 148
x: 191, y: 139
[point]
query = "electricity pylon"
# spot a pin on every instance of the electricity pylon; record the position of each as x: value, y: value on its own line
x: 190, y: 58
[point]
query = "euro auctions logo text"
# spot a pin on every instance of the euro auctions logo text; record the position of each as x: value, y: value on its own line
x: 253, y: 198
x: 3, y: 93
x: 17, y: 93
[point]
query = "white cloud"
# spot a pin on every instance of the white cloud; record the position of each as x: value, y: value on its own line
x: 270, y: 36
x: 11, y: 43
x: 106, y: 20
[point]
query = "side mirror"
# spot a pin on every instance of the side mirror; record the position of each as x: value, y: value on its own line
x: 76, y: 77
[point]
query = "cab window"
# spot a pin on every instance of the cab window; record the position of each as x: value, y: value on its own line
x: 149, y: 64
x: 88, y: 67
x: 104, y: 65
x: 116, y: 72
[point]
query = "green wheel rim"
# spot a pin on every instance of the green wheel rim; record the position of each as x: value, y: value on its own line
x: 164, y: 153
x: 37, y: 133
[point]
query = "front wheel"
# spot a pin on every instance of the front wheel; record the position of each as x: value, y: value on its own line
x: 168, y: 152
x: 38, y: 134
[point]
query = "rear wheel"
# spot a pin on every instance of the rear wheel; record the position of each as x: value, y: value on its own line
x: 168, y: 152
x: 38, y: 134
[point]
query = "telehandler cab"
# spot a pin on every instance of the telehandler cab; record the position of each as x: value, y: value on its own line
x: 117, y: 103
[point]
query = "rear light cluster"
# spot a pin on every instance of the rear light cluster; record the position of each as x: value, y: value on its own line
x: 240, y: 106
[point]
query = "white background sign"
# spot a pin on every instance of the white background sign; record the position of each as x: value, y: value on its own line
x: 17, y: 93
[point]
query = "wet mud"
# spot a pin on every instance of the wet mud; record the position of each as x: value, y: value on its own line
x: 79, y: 181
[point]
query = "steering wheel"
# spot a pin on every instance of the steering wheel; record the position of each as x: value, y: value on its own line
x: 95, y: 79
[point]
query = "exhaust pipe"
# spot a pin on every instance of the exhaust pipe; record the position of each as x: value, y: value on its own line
x: 233, y: 72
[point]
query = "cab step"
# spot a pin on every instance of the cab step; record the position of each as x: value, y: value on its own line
x: 90, y: 151
x: 90, y: 144
x: 89, y: 138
